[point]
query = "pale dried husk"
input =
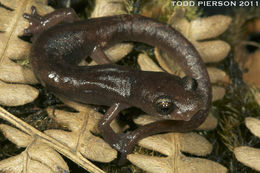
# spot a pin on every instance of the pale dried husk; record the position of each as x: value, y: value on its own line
x: 37, y: 154
x: 171, y: 145
x: 40, y: 149
x: 250, y: 156
x: 14, y: 50
x: 80, y: 138
x: 12, y: 25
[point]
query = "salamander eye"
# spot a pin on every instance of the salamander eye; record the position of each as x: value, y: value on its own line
x: 164, y: 105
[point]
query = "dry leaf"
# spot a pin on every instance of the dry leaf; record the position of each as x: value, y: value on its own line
x: 41, y: 150
x: 12, y: 25
x: 212, y: 51
x: 16, y: 94
x: 171, y: 145
x: 168, y: 63
x: 108, y: 8
x: 218, y: 76
x: 248, y: 155
x: 147, y: 64
x: 119, y: 51
x: 205, y: 28
x: 208, y: 27
x: 111, y: 8
x: 253, y: 125
x: 80, y: 139
x: 38, y: 157
x: 218, y: 92
x: 210, y: 123
x: 12, y: 49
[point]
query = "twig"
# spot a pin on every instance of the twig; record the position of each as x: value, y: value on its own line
x: 77, y: 158
x: 251, y: 43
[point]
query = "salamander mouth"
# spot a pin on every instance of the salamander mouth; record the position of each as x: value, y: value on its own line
x: 179, y: 115
x: 184, y: 117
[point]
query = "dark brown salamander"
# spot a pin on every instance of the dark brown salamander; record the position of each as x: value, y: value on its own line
x: 61, y: 41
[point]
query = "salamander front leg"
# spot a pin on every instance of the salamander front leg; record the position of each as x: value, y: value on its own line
x: 104, y: 124
x: 129, y: 140
x: 38, y: 23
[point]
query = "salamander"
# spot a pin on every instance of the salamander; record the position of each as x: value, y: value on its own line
x: 61, y: 41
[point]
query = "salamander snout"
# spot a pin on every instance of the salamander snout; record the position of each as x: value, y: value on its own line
x: 185, y: 111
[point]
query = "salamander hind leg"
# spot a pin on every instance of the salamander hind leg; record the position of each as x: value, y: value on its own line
x: 38, y: 23
x: 99, y: 56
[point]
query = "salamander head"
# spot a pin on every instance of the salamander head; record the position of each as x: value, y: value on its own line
x: 172, y: 98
